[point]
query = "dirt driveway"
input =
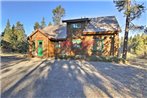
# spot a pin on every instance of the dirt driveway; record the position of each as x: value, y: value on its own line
x: 81, y: 79
x: 12, y: 71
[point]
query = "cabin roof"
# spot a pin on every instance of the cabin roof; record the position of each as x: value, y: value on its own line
x: 102, y: 24
x: 56, y: 31
x: 76, y: 20
x: 36, y: 32
x: 97, y: 25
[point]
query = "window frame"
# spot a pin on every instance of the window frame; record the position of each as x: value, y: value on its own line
x: 76, y: 26
x: 76, y: 44
x: 101, y: 47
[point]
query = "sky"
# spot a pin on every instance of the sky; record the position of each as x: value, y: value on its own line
x: 29, y: 12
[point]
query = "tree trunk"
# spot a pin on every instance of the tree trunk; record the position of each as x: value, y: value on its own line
x: 125, y: 46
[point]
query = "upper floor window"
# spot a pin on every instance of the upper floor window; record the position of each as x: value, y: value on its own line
x: 76, y: 25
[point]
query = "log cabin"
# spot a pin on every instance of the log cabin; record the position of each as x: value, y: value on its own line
x: 83, y: 36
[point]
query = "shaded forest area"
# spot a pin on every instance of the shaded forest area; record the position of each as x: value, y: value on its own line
x: 14, y: 39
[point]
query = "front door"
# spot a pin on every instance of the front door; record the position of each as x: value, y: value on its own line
x: 40, y: 48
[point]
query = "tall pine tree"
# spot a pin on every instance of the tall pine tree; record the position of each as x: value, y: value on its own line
x: 14, y: 39
x: 7, y: 32
x: 6, y: 38
x: 43, y: 24
x: 58, y: 13
x: 131, y: 11
x: 36, y: 26
x: 20, y: 32
x: 49, y: 24
x: 21, y: 37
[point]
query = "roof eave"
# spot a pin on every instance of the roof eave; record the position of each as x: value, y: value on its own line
x: 76, y: 20
x: 58, y: 39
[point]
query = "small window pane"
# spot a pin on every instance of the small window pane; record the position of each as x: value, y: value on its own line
x: 76, y: 25
x: 76, y: 43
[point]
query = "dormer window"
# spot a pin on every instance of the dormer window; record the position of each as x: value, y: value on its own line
x: 76, y: 26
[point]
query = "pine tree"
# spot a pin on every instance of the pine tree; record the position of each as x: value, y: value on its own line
x: 36, y: 26
x: 131, y: 11
x: 49, y: 23
x: 8, y: 24
x: 139, y: 48
x: 7, y: 32
x: 21, y: 38
x: 14, y: 39
x: 20, y: 32
x: 43, y: 24
x: 6, y: 38
x: 58, y: 13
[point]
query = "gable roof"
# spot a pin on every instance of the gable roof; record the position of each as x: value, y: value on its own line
x: 97, y: 25
x: 102, y: 24
x: 56, y: 31
x: 37, y: 30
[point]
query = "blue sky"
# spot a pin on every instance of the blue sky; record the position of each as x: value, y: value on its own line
x: 28, y: 12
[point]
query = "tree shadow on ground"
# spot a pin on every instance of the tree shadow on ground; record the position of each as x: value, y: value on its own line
x: 7, y: 61
x: 80, y: 79
x: 127, y: 81
x: 10, y: 58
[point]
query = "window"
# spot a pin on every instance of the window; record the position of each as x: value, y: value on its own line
x: 98, y: 45
x: 76, y: 25
x: 58, y: 45
x: 76, y: 43
x: 40, y: 44
x: 33, y: 45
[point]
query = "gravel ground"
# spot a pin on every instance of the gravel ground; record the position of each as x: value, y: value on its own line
x: 81, y: 79
x: 6, y: 60
x: 14, y: 71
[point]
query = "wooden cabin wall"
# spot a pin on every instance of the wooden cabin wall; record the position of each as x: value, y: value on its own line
x: 51, y: 49
x: 111, y: 44
x: 92, y: 43
x: 57, y: 49
x: 87, y: 43
x: 111, y: 41
x: 74, y: 33
x: 107, y: 45
x: 63, y: 48
x: 30, y: 47
x: 39, y: 36
x: 116, y: 44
